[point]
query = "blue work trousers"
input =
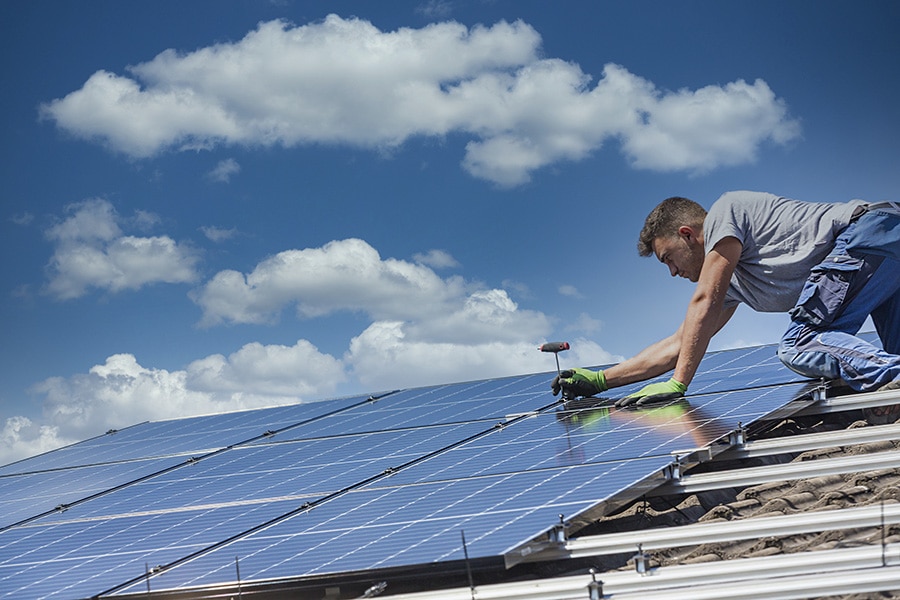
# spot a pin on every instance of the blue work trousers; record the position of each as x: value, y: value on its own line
x: 860, y: 277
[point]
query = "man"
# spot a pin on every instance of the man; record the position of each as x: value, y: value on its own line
x: 829, y: 265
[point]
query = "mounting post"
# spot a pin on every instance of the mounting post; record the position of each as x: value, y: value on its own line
x: 640, y: 560
x: 558, y: 533
x: 673, y: 471
x: 595, y: 588
x: 737, y: 437
x: 821, y: 391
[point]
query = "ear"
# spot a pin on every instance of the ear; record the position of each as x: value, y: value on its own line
x: 686, y: 232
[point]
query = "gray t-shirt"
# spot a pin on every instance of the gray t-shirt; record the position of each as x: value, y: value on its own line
x: 782, y: 240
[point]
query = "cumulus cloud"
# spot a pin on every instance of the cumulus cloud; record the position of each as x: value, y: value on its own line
x: 273, y: 371
x: 342, y: 275
x: 344, y: 81
x: 385, y: 355
x: 20, y: 437
x: 422, y: 330
x: 92, y: 251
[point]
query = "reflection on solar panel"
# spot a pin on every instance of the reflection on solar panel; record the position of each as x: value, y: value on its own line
x: 353, y: 485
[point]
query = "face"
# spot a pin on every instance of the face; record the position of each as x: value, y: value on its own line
x: 683, y: 254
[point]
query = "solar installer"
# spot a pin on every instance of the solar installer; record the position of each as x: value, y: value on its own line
x: 829, y: 266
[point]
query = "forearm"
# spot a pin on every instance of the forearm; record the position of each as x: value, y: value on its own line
x: 706, y: 313
x: 700, y: 324
x: 648, y: 363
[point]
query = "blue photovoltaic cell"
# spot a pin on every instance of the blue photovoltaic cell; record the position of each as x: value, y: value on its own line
x: 290, y: 470
x: 422, y: 523
x: 41, y: 483
x: 76, y: 559
x: 194, y: 507
x: 730, y: 370
x: 351, y: 484
x: 738, y: 369
x: 23, y: 496
x: 469, y: 486
x: 179, y: 436
x: 491, y: 401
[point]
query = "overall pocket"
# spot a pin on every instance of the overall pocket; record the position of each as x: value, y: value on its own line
x: 825, y: 290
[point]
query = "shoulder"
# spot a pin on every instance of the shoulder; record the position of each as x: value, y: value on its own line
x: 744, y: 210
x: 744, y: 201
x: 734, y: 215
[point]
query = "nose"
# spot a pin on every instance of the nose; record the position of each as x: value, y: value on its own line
x: 672, y: 270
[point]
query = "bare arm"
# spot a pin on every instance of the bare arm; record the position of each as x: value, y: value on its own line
x: 653, y: 360
x: 684, y: 349
x: 705, y: 312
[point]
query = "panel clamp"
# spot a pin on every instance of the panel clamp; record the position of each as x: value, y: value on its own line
x: 558, y: 533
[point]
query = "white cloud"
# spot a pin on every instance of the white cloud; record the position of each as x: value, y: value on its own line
x: 92, y: 251
x: 436, y: 259
x: 21, y: 438
x: 298, y: 371
x: 342, y: 275
x: 482, y: 316
x: 145, y: 220
x: 87, y: 221
x: 218, y: 234
x: 343, y: 81
x: 385, y: 357
x: 121, y: 392
x: 570, y: 290
x: 224, y: 170
x: 708, y: 128
x: 424, y: 330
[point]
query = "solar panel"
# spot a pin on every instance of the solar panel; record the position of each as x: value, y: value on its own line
x: 30, y: 494
x: 355, y: 532
x: 352, y: 484
x: 71, y: 474
x: 196, y: 435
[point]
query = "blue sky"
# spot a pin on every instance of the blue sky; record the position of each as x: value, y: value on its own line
x: 216, y: 205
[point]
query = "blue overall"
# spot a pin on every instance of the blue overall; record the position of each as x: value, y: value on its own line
x: 860, y: 277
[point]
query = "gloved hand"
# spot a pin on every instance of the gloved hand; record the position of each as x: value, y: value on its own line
x: 654, y: 393
x: 579, y: 382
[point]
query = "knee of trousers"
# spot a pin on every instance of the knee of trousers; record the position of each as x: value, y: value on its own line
x: 809, y: 362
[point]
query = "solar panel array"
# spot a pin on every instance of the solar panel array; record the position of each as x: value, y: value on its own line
x: 350, y: 485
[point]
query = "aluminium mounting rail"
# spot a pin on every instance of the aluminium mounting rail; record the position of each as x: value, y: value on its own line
x: 861, y: 569
x: 722, y: 531
x: 702, y: 482
x: 838, y: 404
x: 813, y: 441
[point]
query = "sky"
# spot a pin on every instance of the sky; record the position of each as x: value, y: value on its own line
x: 217, y: 205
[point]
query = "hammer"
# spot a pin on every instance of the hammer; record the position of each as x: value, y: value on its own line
x: 555, y: 348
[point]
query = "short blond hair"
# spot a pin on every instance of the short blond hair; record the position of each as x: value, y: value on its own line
x: 666, y: 218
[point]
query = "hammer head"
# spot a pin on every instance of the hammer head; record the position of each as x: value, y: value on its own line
x: 554, y: 347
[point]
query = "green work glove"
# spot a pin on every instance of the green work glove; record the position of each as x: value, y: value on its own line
x: 579, y: 382
x: 655, y: 393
